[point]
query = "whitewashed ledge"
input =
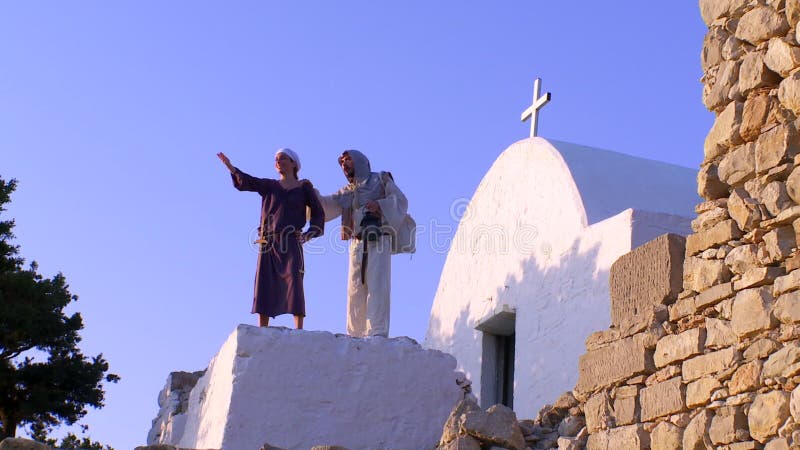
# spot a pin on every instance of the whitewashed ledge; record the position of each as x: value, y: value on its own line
x: 297, y: 389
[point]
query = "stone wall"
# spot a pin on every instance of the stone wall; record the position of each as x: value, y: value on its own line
x: 715, y: 363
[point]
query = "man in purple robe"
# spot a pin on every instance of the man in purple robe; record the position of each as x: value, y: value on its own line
x: 280, y: 268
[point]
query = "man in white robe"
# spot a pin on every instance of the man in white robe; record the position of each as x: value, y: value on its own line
x: 369, y: 274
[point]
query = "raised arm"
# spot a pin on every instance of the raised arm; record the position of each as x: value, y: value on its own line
x: 227, y: 162
x: 243, y: 181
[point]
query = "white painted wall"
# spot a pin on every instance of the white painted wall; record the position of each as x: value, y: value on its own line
x: 296, y: 389
x: 539, y: 236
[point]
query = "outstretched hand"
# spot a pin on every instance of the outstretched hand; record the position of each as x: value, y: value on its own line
x: 225, y: 161
x: 223, y: 158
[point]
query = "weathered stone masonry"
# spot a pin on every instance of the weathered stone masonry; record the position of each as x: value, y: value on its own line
x: 716, y: 363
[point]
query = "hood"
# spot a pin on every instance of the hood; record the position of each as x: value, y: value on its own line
x: 360, y: 166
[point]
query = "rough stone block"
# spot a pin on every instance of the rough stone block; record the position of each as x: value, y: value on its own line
x: 796, y: 226
x: 787, y: 308
x: 711, y: 10
x: 700, y: 274
x: 497, y: 426
x: 760, y: 349
x: 613, y: 363
x: 626, y: 408
x: 571, y: 426
x: 570, y: 443
x: 598, y: 411
x: 754, y: 74
x: 759, y: 110
x: 761, y: 24
x: 713, y: 295
x: 725, y: 423
x: 724, y: 133
x: 739, y: 165
x: 709, y: 185
x: 746, y: 378
x: 719, y: 234
x: 711, y: 54
x: 752, y: 311
x: 767, y: 413
x: 793, y: 262
x: 462, y: 443
x: 681, y: 308
x: 725, y: 309
x: 631, y: 437
x: 793, y: 12
x: 709, y: 218
x: 668, y: 397
x: 722, y: 80
x: 775, y: 146
x: 777, y: 444
x: 698, y: 392
x: 782, y: 360
x: 666, y: 436
x: 775, y: 198
x: 710, y: 363
x: 788, y: 95
x: 786, y: 283
x: 757, y: 276
x: 733, y: 49
x: 743, y: 209
x: 794, y: 404
x: 742, y: 258
x: 676, y: 347
x: 793, y: 185
x: 780, y: 242
x: 452, y: 427
x: 719, y: 334
x: 708, y: 205
x: 695, y: 436
x: 782, y: 57
x: 649, y: 275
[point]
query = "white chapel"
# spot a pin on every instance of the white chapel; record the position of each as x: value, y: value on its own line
x: 526, y: 277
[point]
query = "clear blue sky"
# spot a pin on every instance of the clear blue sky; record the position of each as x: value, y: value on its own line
x: 111, y: 114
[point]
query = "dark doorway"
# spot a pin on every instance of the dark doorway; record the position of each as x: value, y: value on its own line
x: 498, y: 357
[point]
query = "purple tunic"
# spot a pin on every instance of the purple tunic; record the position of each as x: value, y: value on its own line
x: 279, y: 275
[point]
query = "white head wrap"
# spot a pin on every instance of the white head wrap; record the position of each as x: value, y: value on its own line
x: 291, y: 154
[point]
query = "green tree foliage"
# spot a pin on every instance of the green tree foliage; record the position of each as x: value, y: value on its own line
x: 39, y: 433
x: 45, y: 380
